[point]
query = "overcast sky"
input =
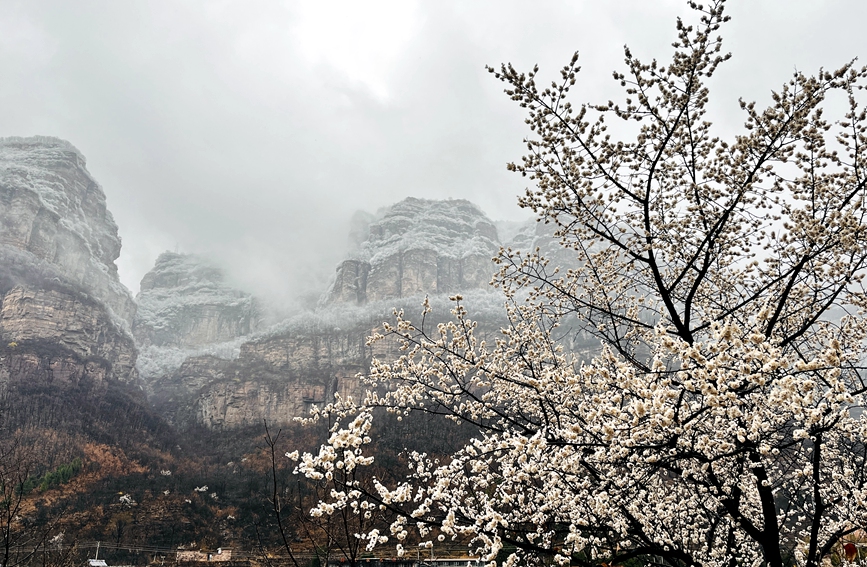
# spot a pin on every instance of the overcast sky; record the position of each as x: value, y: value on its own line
x: 251, y: 130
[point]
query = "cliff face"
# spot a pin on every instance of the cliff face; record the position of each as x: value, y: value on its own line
x: 52, y: 208
x: 275, y: 378
x: 64, y: 314
x: 417, y: 247
x: 55, y: 334
x: 283, y: 374
x: 184, y: 302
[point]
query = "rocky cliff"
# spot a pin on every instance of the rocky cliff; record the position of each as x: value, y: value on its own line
x: 64, y: 315
x: 51, y: 207
x: 60, y: 335
x: 185, y: 302
x: 274, y: 378
x: 284, y: 373
x: 288, y: 369
x: 417, y: 247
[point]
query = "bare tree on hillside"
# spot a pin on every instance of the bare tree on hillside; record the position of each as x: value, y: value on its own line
x: 21, y: 537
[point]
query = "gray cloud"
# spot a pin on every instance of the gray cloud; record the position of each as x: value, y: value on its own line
x: 251, y: 131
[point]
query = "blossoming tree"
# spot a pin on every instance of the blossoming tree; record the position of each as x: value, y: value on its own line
x: 720, y: 423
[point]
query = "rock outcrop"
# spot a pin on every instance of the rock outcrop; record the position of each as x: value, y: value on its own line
x: 52, y: 208
x: 185, y: 302
x: 64, y: 315
x: 274, y: 378
x: 52, y: 334
x: 417, y: 247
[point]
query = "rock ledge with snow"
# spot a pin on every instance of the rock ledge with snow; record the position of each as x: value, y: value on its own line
x: 418, y: 247
x: 185, y: 302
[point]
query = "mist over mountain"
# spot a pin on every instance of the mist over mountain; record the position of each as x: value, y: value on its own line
x: 189, y: 370
x: 194, y: 329
x: 212, y: 367
x: 185, y: 302
x: 154, y: 397
x: 198, y: 344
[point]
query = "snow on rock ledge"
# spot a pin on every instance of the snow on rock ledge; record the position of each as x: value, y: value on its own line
x: 184, y: 302
x: 52, y: 209
x: 418, y: 247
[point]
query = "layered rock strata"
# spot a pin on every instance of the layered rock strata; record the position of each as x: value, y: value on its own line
x: 52, y: 208
x: 285, y: 374
x: 51, y: 339
x: 185, y: 302
x: 274, y: 379
x: 54, y: 334
x: 64, y: 315
x: 417, y: 247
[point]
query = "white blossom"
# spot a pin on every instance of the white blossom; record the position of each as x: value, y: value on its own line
x: 720, y: 420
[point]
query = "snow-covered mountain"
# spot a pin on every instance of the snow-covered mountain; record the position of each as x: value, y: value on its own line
x: 414, y: 248
x: 64, y: 315
x: 203, y: 358
x: 53, y: 209
x: 417, y: 247
x: 185, y: 302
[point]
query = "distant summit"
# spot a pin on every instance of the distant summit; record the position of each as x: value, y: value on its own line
x: 185, y: 302
x: 417, y: 247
